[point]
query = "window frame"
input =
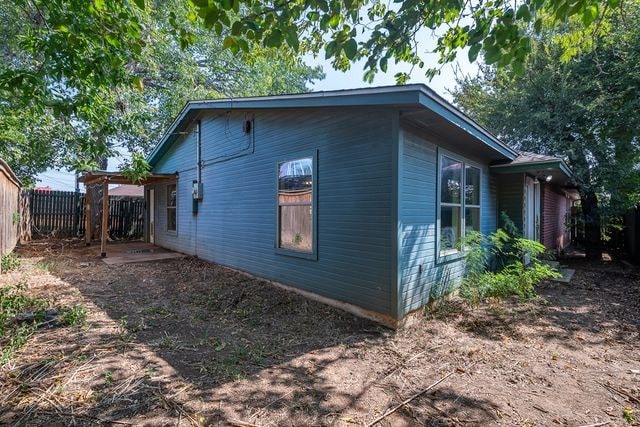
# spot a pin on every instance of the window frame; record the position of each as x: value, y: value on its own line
x: 175, y: 207
x: 457, y: 253
x: 313, y: 255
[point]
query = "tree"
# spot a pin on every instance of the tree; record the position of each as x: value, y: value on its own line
x: 79, y: 60
x: 586, y: 110
x: 350, y: 30
x: 76, y: 111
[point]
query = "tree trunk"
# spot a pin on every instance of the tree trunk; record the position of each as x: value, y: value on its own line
x: 592, y: 225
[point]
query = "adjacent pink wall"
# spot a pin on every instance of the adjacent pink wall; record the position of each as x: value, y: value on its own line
x: 555, y: 234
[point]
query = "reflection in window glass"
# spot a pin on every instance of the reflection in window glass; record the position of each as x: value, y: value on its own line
x: 472, y: 186
x: 449, y: 228
x: 459, y: 205
x: 450, y: 179
x: 472, y: 219
x: 295, y: 205
x: 171, y: 207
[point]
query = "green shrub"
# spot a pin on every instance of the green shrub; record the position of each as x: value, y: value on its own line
x: 9, y: 262
x: 495, y: 265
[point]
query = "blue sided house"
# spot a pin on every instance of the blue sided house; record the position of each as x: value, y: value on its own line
x: 359, y: 198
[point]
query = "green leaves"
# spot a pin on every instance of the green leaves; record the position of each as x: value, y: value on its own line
x: 589, y: 15
x: 96, y: 74
x: 523, y: 13
x: 138, y: 82
x: 137, y: 169
x: 493, y: 28
x: 586, y: 110
x: 492, y: 54
x: 473, y: 52
x: 350, y: 49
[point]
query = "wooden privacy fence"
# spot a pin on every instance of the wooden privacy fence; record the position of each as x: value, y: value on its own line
x: 9, y: 214
x: 61, y: 213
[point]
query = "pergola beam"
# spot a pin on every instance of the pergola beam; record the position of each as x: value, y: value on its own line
x: 95, y: 177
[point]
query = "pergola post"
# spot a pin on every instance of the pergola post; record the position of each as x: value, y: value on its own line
x: 105, y: 217
x: 87, y: 214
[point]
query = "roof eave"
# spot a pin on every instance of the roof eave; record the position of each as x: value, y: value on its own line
x: 538, y: 165
x: 439, y: 105
x: 409, y: 95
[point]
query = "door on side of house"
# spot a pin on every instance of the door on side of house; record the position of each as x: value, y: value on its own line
x: 152, y: 215
x: 531, y: 226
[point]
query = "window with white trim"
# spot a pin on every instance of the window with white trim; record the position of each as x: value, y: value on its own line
x: 459, y: 202
x: 172, y: 219
x: 295, y: 205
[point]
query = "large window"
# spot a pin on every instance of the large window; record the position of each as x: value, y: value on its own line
x: 295, y: 205
x: 171, y: 207
x: 459, y: 203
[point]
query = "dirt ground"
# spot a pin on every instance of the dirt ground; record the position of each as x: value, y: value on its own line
x: 184, y: 342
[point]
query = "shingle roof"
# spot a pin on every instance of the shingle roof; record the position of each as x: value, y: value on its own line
x: 529, y: 157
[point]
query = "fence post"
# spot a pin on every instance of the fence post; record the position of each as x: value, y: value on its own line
x: 24, y: 230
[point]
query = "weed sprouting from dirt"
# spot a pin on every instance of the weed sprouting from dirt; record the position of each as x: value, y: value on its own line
x: 21, y: 315
x: 46, y: 265
x: 124, y: 333
x: 73, y: 316
x: 14, y: 334
x: 168, y: 342
x: 9, y: 262
x: 627, y: 414
x: 108, y: 377
x: 444, y: 309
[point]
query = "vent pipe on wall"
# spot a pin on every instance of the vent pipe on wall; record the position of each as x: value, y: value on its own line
x: 197, y: 183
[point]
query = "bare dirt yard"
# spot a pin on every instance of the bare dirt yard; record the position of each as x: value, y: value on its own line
x: 184, y: 342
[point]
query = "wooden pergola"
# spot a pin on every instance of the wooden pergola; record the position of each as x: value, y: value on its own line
x: 105, y: 178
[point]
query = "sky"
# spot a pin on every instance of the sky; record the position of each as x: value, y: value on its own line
x: 335, y: 80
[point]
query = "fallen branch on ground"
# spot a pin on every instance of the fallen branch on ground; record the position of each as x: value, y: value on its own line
x: 240, y: 423
x: 404, y: 363
x: 597, y: 424
x: 386, y: 414
x: 621, y: 392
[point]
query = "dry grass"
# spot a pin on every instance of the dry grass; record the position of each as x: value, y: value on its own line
x: 184, y: 342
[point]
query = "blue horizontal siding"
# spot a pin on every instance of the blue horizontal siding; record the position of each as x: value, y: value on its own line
x: 417, y: 223
x: 236, y: 221
x: 510, y: 189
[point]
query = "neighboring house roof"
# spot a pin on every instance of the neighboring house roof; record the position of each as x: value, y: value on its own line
x: 114, y: 177
x: 127, y: 190
x: 415, y: 95
x: 529, y: 157
x: 45, y: 189
x: 527, y: 162
x: 4, y: 168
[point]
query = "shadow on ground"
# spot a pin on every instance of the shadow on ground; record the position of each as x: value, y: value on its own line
x: 188, y: 342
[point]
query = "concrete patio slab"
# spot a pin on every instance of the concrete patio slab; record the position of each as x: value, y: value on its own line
x: 567, y: 274
x: 130, y: 252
